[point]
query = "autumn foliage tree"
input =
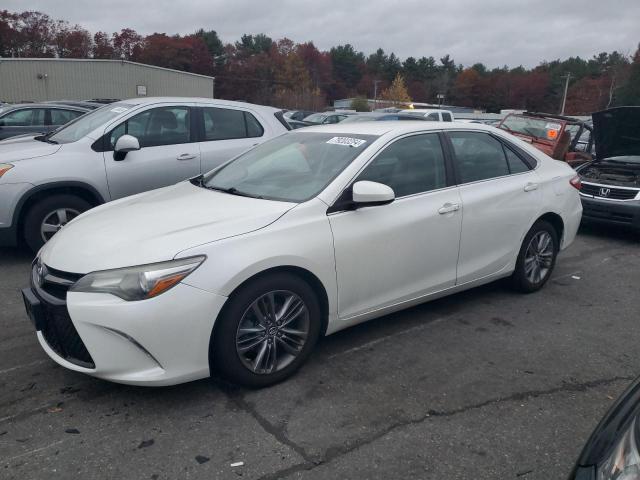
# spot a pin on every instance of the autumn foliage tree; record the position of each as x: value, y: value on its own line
x: 260, y: 69
x: 397, y: 93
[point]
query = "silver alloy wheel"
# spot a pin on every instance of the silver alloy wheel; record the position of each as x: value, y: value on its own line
x: 55, y: 220
x: 272, y: 332
x: 539, y: 257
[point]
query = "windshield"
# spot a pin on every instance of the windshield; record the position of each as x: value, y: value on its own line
x: 85, y: 124
x: 534, y: 127
x: 293, y: 167
x: 316, y: 117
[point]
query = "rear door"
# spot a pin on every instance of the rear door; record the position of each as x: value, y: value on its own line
x: 226, y: 132
x: 23, y: 120
x: 500, y: 198
x: 168, y: 151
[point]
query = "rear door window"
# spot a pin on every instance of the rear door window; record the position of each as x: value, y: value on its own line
x: 479, y: 156
x: 61, y: 117
x: 433, y: 117
x: 228, y: 124
x: 516, y: 164
x: 446, y: 117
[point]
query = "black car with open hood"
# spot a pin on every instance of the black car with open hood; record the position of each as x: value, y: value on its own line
x: 611, y: 183
x: 612, y: 451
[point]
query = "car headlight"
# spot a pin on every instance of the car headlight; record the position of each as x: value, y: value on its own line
x: 138, y: 283
x: 624, y: 461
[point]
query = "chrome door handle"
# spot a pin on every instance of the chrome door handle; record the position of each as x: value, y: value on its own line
x: 449, y: 208
x: 530, y: 187
x: 186, y: 156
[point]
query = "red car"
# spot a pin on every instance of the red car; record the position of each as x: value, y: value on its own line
x: 560, y: 137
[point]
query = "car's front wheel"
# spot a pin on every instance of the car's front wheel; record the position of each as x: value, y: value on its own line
x: 49, y: 215
x: 266, y: 331
x: 537, y: 257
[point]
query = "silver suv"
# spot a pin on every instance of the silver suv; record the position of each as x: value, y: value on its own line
x: 118, y: 150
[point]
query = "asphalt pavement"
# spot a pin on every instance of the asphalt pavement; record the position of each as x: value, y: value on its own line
x: 486, y: 384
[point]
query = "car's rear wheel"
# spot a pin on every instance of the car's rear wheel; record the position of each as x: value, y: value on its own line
x: 537, y: 258
x: 49, y: 215
x: 266, y: 331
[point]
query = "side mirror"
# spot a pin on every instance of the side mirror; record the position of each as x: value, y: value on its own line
x: 367, y: 193
x: 124, y: 145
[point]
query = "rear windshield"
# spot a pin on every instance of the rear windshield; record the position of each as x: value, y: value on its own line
x: 294, y: 167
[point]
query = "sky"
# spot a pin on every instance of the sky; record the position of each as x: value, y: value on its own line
x: 494, y: 32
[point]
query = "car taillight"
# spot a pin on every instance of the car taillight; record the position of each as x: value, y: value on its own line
x: 576, y: 183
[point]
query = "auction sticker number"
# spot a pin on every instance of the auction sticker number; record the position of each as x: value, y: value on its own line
x: 346, y: 141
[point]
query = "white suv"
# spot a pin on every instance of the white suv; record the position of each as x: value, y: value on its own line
x: 121, y: 149
x: 433, y: 114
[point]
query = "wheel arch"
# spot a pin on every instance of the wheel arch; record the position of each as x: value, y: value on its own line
x: 314, y: 282
x: 34, y: 195
x: 556, y: 222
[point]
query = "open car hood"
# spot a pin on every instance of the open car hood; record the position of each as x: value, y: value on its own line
x: 617, y: 132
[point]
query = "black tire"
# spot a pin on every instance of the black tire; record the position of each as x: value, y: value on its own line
x: 519, y: 279
x: 224, y: 357
x: 42, y: 209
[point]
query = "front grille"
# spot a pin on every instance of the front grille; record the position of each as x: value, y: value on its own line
x: 56, y: 283
x: 51, y: 287
x: 612, y: 193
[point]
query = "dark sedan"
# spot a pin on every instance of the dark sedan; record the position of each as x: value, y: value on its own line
x: 35, y: 118
x: 612, y: 453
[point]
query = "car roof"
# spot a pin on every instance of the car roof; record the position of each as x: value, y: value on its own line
x: 14, y: 106
x: 398, y: 128
x: 211, y: 101
x: 424, y: 110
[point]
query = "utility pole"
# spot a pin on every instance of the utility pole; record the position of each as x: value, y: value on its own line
x: 375, y: 93
x: 566, y: 87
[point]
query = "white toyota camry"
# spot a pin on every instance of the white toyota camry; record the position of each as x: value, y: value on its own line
x: 243, y: 269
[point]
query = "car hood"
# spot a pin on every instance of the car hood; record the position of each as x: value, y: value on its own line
x: 155, y: 226
x: 617, y: 132
x: 24, y: 147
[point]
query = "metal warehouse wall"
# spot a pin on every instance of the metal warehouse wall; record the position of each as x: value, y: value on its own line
x: 69, y: 79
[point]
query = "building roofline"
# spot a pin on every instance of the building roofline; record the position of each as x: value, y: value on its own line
x: 103, y: 60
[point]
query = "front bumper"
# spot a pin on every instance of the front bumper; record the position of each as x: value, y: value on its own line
x: 160, y: 341
x: 11, y: 195
x: 623, y: 213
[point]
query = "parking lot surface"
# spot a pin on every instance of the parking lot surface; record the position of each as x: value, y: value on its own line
x: 484, y: 384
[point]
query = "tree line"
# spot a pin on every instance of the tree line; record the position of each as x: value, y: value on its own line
x: 283, y: 73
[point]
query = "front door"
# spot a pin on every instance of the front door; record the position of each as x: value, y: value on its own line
x: 409, y: 248
x: 168, y: 151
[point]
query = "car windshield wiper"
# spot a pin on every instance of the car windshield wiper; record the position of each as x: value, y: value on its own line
x: 530, y: 132
x: 45, y: 138
x: 232, y: 191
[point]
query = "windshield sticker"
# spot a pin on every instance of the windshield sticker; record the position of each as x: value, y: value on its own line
x: 346, y: 141
x: 118, y: 110
x: 553, y: 126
